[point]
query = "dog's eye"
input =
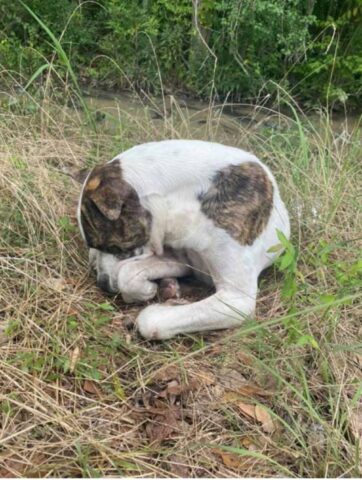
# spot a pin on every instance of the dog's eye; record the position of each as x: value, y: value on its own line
x: 113, y: 249
x: 123, y: 255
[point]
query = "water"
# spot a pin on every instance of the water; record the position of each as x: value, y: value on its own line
x: 191, y: 118
x: 230, y: 118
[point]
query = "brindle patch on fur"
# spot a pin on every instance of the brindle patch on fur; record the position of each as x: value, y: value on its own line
x: 240, y: 201
x: 112, y: 217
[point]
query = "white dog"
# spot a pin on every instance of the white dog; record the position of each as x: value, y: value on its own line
x: 176, y: 207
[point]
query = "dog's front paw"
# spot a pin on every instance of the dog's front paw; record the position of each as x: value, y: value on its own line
x: 142, y: 292
x: 152, y: 323
x: 133, y: 284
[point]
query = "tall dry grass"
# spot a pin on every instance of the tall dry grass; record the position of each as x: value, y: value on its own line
x: 82, y: 395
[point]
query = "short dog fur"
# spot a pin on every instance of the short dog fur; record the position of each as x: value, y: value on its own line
x: 181, y: 207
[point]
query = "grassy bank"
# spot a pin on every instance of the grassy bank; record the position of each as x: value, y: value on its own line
x: 231, y: 49
x: 81, y: 394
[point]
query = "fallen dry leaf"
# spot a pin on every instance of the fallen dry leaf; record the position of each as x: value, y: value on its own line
x: 231, y: 460
x: 247, y: 390
x: 249, y: 444
x: 165, y: 374
x: 90, y: 387
x: 177, y: 466
x: 258, y: 413
x: 247, y: 409
x: 215, y: 350
x: 174, y: 388
x: 264, y: 417
x: 250, y: 390
x: 244, y: 358
x: 205, y: 377
x: 161, y: 427
x: 231, y: 379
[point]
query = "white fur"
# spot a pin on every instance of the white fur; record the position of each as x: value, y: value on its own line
x: 168, y: 177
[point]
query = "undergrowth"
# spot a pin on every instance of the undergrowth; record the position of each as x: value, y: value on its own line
x: 81, y: 394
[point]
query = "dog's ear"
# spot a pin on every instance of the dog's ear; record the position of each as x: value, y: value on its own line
x: 108, y: 202
x: 107, y: 190
x: 80, y: 175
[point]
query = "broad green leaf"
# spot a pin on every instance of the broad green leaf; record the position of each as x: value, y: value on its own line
x: 276, y: 248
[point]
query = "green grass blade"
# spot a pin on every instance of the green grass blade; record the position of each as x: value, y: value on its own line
x: 37, y: 73
x: 64, y: 58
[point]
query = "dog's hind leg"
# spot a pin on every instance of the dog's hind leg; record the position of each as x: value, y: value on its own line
x: 234, y: 269
x: 224, y: 309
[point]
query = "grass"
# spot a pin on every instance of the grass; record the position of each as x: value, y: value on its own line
x: 81, y: 394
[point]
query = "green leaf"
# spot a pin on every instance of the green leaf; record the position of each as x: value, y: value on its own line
x: 95, y: 374
x: 103, y: 320
x: 107, y: 307
x: 286, y: 260
x: 308, y: 340
x: 283, y: 239
x: 276, y: 248
x: 66, y: 365
x: 290, y: 287
x: 327, y: 298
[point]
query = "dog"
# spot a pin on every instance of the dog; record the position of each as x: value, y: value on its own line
x: 175, y: 208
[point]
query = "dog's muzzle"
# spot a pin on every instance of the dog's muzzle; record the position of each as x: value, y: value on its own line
x: 104, y: 283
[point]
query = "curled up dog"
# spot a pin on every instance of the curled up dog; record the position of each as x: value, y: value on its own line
x: 176, y: 208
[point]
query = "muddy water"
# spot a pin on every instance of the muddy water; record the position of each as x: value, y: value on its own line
x: 189, y: 118
x: 230, y: 118
x: 193, y: 118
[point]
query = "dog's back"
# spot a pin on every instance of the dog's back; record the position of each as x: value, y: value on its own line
x: 160, y: 167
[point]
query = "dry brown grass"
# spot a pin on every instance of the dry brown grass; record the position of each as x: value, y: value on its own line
x: 81, y: 394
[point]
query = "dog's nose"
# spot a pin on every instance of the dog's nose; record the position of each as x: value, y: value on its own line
x: 103, y: 283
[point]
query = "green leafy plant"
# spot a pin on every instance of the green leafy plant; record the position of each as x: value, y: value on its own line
x: 237, y: 48
x: 287, y: 263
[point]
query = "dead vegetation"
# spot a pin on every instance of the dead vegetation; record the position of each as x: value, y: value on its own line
x: 82, y: 395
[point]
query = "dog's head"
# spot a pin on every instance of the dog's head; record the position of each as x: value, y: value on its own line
x: 111, y: 218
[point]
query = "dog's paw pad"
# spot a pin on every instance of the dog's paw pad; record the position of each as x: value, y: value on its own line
x: 169, y: 289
